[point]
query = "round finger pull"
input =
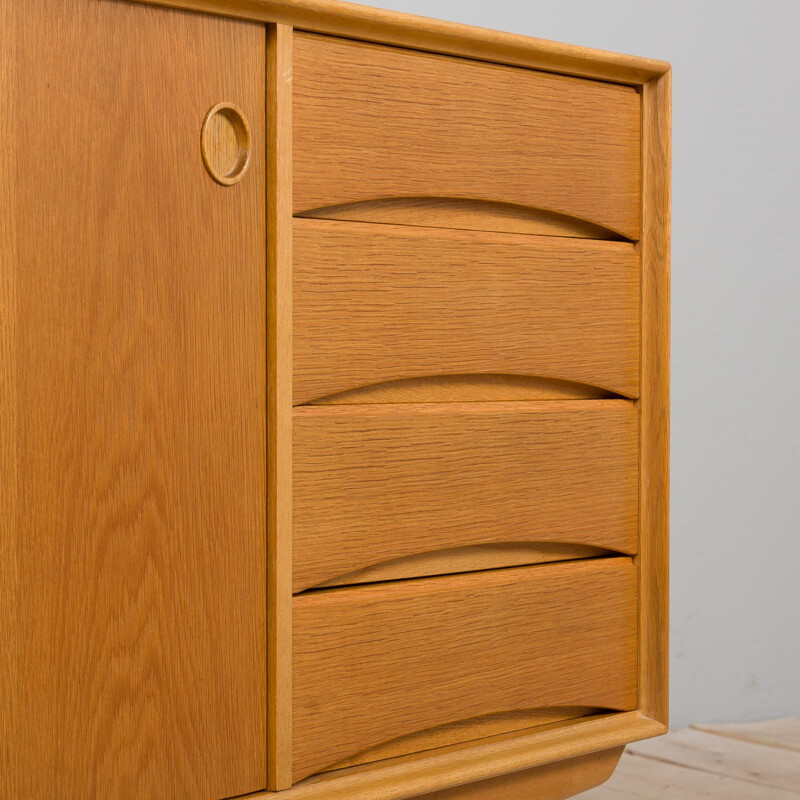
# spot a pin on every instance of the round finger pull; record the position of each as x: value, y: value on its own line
x: 225, y: 143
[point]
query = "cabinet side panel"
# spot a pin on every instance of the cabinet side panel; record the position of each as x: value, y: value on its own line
x: 8, y: 406
x: 141, y: 414
x: 654, y: 401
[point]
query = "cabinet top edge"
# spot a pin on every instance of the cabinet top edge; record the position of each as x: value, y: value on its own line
x: 422, y: 33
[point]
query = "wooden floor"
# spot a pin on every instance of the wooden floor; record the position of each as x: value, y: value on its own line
x: 748, y: 761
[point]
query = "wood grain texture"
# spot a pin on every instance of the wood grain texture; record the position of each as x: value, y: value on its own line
x: 553, y: 782
x: 477, y: 215
x: 132, y: 350
x: 753, y: 763
x: 377, y: 483
x: 226, y: 144
x: 380, y: 25
x: 468, y: 559
x: 466, y: 389
x: 638, y: 778
x: 279, y: 400
x: 654, y: 401
x: 9, y: 560
x: 379, y: 303
x: 408, y: 776
x: 473, y: 744
x: 781, y: 733
x: 375, y: 662
x: 375, y: 122
x: 465, y: 731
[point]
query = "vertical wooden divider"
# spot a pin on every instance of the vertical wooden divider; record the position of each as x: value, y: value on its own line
x: 9, y: 572
x: 279, y: 405
x: 653, y: 559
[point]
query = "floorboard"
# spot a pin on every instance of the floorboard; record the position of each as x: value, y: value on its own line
x: 784, y: 733
x: 746, y: 761
x: 742, y: 761
x: 648, y: 779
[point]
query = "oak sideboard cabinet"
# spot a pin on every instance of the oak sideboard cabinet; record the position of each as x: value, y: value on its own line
x: 334, y: 353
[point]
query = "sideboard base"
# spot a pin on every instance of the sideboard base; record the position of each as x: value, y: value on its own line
x: 556, y: 781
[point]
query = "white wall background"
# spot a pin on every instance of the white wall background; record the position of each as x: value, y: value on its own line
x: 736, y: 328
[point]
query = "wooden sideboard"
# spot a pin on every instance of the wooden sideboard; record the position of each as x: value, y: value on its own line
x: 334, y: 380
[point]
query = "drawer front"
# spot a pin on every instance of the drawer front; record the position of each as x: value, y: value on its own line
x: 373, y: 663
x: 377, y: 483
x: 378, y: 303
x: 373, y: 123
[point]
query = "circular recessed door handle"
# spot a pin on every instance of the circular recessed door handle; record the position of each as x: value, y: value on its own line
x: 226, y: 143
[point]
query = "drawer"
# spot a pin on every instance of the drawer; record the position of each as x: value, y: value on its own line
x: 374, y: 663
x: 380, y: 303
x: 376, y: 124
x: 398, y: 485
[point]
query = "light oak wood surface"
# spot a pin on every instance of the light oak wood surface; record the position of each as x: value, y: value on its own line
x: 358, y: 21
x: 10, y: 644
x: 469, y: 558
x: 226, y: 143
x: 483, y: 242
x: 653, y: 403
x: 378, y: 483
x: 554, y: 782
x: 279, y: 401
x: 449, y: 212
x: 781, y: 733
x: 498, y: 729
x: 377, y: 303
x: 132, y: 356
x: 372, y: 663
x: 408, y: 776
x: 754, y: 763
x: 465, y: 388
x: 687, y: 766
x: 639, y: 778
x: 463, y: 731
x: 374, y: 122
